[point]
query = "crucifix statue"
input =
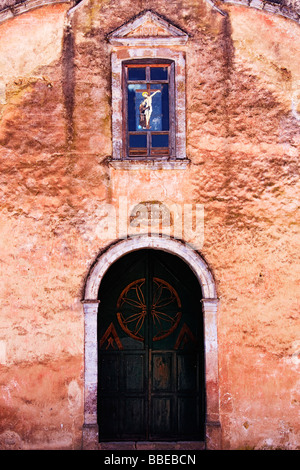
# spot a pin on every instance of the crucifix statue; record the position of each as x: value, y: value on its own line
x: 146, y: 108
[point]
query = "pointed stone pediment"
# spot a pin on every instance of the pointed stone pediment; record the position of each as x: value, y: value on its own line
x: 146, y: 29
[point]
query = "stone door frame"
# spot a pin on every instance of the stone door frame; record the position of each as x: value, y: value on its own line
x: 209, y: 308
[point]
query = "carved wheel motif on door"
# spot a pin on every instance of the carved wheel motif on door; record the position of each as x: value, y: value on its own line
x: 165, y: 309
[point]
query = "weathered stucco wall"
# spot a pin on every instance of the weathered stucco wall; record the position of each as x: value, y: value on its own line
x: 243, y: 139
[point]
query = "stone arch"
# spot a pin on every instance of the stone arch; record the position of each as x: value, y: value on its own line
x: 209, y: 308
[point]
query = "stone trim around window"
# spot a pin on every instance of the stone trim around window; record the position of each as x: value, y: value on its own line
x: 148, y: 37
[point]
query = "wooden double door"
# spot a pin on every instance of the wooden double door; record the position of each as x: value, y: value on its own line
x: 151, y: 354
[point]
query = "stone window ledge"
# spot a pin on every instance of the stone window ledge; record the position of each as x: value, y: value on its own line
x: 155, y: 164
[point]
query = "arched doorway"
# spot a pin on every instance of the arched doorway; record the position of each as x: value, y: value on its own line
x: 151, y: 350
x: 209, y: 425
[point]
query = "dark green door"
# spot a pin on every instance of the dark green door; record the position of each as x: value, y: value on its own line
x: 151, y: 359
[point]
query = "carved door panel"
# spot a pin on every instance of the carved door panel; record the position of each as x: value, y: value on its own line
x: 150, y: 336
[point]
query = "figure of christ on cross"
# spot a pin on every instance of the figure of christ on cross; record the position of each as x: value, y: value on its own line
x: 146, y: 107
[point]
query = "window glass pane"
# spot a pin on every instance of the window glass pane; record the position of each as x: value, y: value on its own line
x: 159, y: 120
x: 155, y: 110
x: 165, y: 122
x: 160, y: 140
x: 138, y: 140
x: 135, y: 98
x: 159, y: 73
x: 136, y: 73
